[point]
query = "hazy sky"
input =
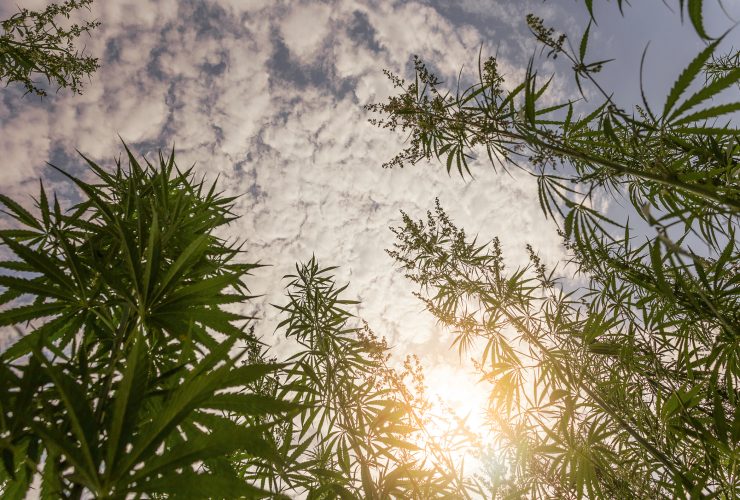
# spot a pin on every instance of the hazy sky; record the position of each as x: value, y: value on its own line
x: 269, y: 95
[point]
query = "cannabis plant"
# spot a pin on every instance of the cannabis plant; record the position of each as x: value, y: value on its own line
x: 627, y: 386
x: 124, y: 373
x: 610, y: 390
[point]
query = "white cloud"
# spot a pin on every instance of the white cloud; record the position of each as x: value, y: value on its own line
x: 25, y: 144
x: 304, y: 28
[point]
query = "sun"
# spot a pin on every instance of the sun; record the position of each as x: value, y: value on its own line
x: 454, y: 423
x: 456, y: 392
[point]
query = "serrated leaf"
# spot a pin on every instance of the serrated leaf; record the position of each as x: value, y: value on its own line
x: 16, y: 265
x: 584, y: 43
x: 697, y: 17
x: 708, y: 91
x: 707, y: 113
x: 51, y: 487
x: 218, y: 442
x: 33, y: 287
x: 152, y: 256
x: 687, y: 76
x: 29, y: 312
x: 92, y: 192
x: 127, y: 401
x: 62, y: 446
x: 194, y: 391
x: 193, y: 252
x: 192, y: 485
x: 51, y: 330
x: 249, y: 404
x: 42, y: 263
x: 247, y: 374
x: 20, y: 213
x: 78, y: 411
x: 203, y: 289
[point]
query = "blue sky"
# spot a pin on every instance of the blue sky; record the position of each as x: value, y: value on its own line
x: 268, y: 95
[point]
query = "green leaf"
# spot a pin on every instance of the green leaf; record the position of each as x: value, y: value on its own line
x: 51, y: 487
x: 706, y: 131
x: 42, y: 263
x: 193, y: 392
x: 50, y: 331
x: 17, y: 487
x: 9, y: 462
x: 43, y: 204
x: 249, y: 404
x: 707, y: 113
x: 131, y: 257
x: 687, y: 76
x: 203, y: 289
x: 708, y: 91
x: 16, y: 265
x: 92, y: 192
x: 697, y: 18
x: 605, y: 348
x: 27, y: 313
x: 222, y: 438
x: 152, y: 256
x: 192, y: 253
x: 62, y: 446
x: 127, y: 401
x: 20, y: 234
x: 191, y: 485
x: 609, y: 131
x: 33, y: 287
x: 529, y: 94
x: 584, y: 43
x: 21, y: 213
x: 558, y: 394
x: 590, y: 7
x: 659, y: 280
x: 247, y: 374
x: 719, y: 417
x: 78, y: 411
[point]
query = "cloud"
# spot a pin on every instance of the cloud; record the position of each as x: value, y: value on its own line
x: 25, y: 142
x: 304, y: 29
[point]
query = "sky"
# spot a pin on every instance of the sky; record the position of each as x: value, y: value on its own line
x: 269, y: 96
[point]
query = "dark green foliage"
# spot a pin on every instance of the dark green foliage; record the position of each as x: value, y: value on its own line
x: 38, y: 43
x: 124, y: 348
